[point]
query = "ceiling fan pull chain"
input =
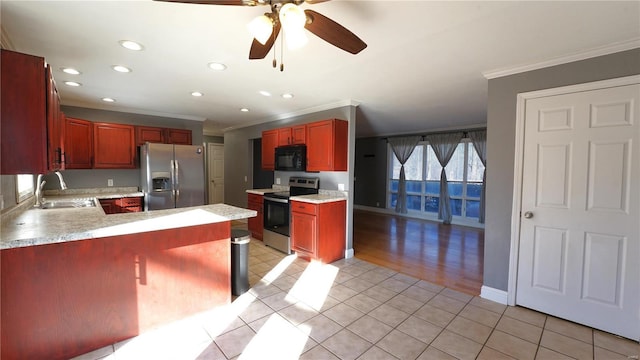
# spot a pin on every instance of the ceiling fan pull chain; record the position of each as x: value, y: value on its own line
x: 282, y: 52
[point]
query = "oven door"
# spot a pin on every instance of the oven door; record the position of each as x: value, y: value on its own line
x: 276, y: 215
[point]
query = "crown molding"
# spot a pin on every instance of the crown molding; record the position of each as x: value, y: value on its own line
x: 133, y: 111
x: 599, y: 51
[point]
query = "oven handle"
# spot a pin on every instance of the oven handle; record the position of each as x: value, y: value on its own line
x: 282, y: 201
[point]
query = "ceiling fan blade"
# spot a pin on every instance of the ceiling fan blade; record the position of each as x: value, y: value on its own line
x: 333, y: 33
x: 216, y: 2
x: 259, y: 51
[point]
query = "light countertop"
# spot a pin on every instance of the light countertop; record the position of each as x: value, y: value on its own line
x: 318, y: 198
x: 36, y: 226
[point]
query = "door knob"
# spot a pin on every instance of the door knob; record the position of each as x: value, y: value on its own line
x: 528, y: 215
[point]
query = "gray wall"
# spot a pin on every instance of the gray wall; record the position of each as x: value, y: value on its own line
x: 8, y: 190
x: 96, y: 178
x: 213, y: 139
x: 501, y: 118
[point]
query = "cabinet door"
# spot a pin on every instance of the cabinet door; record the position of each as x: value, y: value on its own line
x: 284, y: 136
x: 23, y: 128
x: 178, y: 136
x: 113, y: 146
x: 299, y: 134
x: 255, y: 224
x: 269, y: 143
x: 78, y: 144
x: 327, y: 145
x: 149, y: 134
x: 109, y: 206
x: 55, y: 124
x: 304, y: 233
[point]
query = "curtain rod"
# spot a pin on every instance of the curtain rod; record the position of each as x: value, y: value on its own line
x: 465, y: 132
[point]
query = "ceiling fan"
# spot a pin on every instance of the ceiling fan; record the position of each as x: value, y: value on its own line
x: 287, y: 14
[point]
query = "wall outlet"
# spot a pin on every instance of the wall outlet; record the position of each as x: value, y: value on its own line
x: 109, y: 182
x: 377, y: 203
x: 341, y: 187
x: 277, y: 181
x: 245, y: 178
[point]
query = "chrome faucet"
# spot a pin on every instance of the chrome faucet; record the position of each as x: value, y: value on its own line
x: 39, y: 185
x: 63, y: 185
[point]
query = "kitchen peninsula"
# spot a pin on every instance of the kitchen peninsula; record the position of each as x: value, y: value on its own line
x: 75, y: 279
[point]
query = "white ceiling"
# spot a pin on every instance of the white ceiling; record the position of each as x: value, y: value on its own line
x: 423, y: 67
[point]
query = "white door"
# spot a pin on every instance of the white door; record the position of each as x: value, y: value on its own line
x: 579, y: 245
x: 216, y: 173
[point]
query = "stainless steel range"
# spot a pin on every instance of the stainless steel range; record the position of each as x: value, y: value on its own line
x: 277, y: 212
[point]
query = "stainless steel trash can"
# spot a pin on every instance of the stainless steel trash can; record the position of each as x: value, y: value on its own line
x: 239, y: 261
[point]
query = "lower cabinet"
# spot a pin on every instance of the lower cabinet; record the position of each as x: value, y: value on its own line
x: 318, y: 230
x: 121, y: 205
x: 256, y: 224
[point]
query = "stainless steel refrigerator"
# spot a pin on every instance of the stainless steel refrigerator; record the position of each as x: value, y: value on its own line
x: 172, y: 176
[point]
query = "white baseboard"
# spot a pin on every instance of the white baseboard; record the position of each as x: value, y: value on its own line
x: 499, y: 296
x: 348, y: 254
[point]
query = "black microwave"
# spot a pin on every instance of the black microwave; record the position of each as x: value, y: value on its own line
x: 291, y: 158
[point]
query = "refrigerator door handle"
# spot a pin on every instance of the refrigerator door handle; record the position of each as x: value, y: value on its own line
x: 177, y: 175
x: 173, y: 179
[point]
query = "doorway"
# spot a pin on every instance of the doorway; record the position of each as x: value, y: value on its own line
x: 215, y: 166
x: 576, y: 236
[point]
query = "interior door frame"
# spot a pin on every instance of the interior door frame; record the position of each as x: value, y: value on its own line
x: 519, y: 163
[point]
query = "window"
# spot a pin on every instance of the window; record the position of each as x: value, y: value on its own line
x: 422, y: 171
x: 24, y: 187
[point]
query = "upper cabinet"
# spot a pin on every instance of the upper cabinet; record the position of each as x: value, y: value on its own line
x: 280, y: 137
x: 114, y: 146
x: 327, y: 142
x: 78, y: 144
x: 269, y: 144
x: 162, y: 135
x: 31, y: 127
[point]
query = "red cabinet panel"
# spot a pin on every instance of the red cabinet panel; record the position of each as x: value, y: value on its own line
x: 256, y: 224
x: 269, y: 144
x: 327, y: 143
x: 114, y: 146
x: 78, y: 144
x: 31, y: 131
x: 318, y: 230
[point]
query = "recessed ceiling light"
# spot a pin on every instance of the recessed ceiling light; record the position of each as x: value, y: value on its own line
x: 217, y: 66
x: 196, y: 94
x: 72, y: 83
x: 70, y: 71
x: 131, y: 45
x: 264, y: 93
x: 107, y: 99
x: 244, y: 110
x: 287, y: 96
x: 121, y: 68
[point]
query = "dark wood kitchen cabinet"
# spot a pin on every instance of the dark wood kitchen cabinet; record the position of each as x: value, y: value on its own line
x: 318, y: 230
x: 269, y: 144
x: 114, y: 146
x: 78, y: 144
x: 121, y: 205
x: 271, y: 139
x: 256, y: 224
x: 31, y: 129
x: 162, y: 135
x: 327, y: 143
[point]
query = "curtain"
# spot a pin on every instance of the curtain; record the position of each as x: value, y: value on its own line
x: 444, y: 145
x: 402, y: 148
x: 479, y: 139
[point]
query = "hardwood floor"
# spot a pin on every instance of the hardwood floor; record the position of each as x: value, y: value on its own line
x: 448, y: 255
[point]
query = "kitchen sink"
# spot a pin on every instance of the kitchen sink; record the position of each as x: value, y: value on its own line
x: 66, y: 204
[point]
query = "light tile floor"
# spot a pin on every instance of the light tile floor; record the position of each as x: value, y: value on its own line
x: 352, y: 309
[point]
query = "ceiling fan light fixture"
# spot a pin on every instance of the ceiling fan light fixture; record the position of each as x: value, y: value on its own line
x: 261, y: 28
x: 292, y: 17
x: 295, y: 39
